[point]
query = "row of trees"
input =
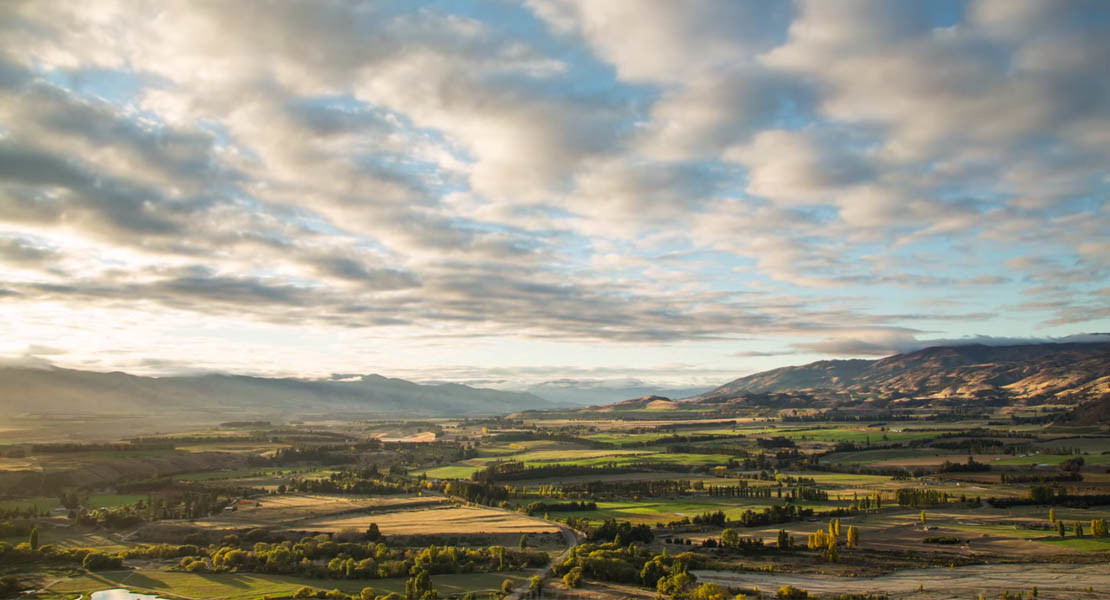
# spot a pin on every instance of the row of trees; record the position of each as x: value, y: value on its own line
x: 1098, y: 528
x: 539, y: 508
x: 357, y: 561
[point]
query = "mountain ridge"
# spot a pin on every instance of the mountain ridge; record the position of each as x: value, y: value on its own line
x: 1072, y: 371
x: 56, y: 390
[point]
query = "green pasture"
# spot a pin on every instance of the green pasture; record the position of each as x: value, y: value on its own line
x: 114, y: 500
x: 855, y: 435
x: 625, y: 438
x: 44, y: 503
x: 655, y: 511
x: 456, y: 471
x: 867, y: 457
x: 231, y: 445
x: 638, y: 458
x: 39, y: 503
x: 255, y: 473
x: 1080, y: 543
x: 569, y: 456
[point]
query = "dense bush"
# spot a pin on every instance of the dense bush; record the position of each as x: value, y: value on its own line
x: 944, y: 539
x: 610, y: 529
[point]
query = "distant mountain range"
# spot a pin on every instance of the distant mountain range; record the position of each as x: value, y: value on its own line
x: 579, y: 392
x: 56, y: 391
x: 1067, y: 372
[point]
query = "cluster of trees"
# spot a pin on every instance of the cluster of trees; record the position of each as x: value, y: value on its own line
x: 622, y: 532
x: 1057, y: 496
x: 897, y: 473
x: 172, y: 504
x: 367, y: 593
x: 717, y: 519
x: 317, y: 557
x: 971, y: 466
x: 772, y: 515
x: 490, y: 494
x: 828, y: 542
x: 607, y: 562
x: 920, y: 497
x: 650, y: 488
x: 809, y: 494
x: 351, y: 481
x: 539, y: 508
x: 634, y: 564
x: 191, y: 504
x: 734, y: 541
x: 1072, y: 465
x: 1098, y: 528
x: 1067, y: 477
x: 874, y: 501
x: 31, y: 552
x: 320, y: 455
x: 741, y: 490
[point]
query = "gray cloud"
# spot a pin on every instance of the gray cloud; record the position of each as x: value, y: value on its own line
x: 630, y: 172
x: 22, y: 251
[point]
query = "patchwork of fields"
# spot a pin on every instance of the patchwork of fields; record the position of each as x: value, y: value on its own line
x: 544, y: 484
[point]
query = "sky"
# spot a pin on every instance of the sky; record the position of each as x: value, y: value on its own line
x: 502, y: 192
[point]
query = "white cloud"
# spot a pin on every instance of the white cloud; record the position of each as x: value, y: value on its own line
x: 626, y: 172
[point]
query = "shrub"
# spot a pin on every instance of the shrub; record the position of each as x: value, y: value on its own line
x: 789, y: 592
x: 573, y: 577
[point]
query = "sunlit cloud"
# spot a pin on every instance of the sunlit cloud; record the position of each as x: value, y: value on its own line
x: 670, y: 191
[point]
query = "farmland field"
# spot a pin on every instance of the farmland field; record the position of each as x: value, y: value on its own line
x: 188, y: 586
x: 290, y: 510
x: 536, y: 486
x: 440, y: 520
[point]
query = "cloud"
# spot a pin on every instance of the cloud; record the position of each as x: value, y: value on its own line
x: 636, y: 174
x: 22, y: 251
x: 663, y: 41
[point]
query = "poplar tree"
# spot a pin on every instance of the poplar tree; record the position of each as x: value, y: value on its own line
x: 853, y: 536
